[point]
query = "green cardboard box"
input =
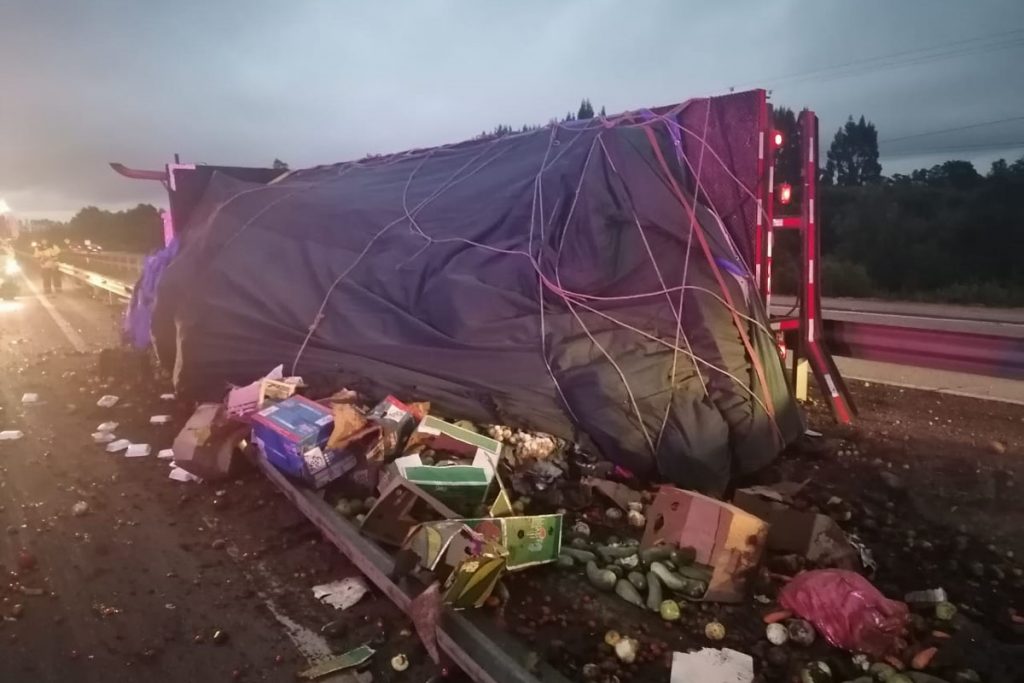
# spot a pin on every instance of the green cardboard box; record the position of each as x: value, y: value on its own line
x: 529, y: 540
x: 463, y: 487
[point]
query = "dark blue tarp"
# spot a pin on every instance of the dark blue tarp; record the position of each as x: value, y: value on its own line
x: 531, y: 280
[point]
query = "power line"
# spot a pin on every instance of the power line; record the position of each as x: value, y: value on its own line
x: 958, y: 148
x: 940, y: 51
x: 953, y: 130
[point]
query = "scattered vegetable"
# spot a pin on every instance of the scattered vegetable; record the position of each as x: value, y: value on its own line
x: 669, y: 610
x: 625, y: 590
x: 801, y: 632
x: 816, y: 672
x: 625, y: 650
x: 672, y: 581
x: 638, y: 580
x: 714, y: 630
x: 777, y: 634
x: 581, y: 556
x: 603, y: 579
x: 923, y: 658
x: 653, y: 592
x: 399, y: 662
x: 945, y: 611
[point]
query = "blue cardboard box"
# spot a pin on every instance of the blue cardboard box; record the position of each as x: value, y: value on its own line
x: 292, y: 435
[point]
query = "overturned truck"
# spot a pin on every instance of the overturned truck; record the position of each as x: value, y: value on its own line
x: 592, y: 279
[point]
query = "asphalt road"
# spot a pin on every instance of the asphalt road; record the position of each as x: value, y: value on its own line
x: 138, y: 585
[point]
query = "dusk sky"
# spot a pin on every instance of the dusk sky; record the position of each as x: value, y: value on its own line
x: 85, y: 82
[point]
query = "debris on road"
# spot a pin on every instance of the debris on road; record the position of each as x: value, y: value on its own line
x: 342, y: 594
x: 159, y: 419
x: 710, y: 665
x: 178, y: 474
x: 29, y: 399
x: 103, y: 437
x: 726, y: 541
x: 206, y: 445
x: 400, y: 662
x: 80, y: 508
x: 107, y: 427
x: 119, y: 445
x: 165, y: 454
x: 107, y: 401
x: 137, y: 450
x: 11, y: 435
x: 847, y: 610
x: 347, y: 660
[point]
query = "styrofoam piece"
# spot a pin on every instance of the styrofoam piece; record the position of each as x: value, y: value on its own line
x: 119, y: 445
x: 107, y: 401
x: 137, y: 450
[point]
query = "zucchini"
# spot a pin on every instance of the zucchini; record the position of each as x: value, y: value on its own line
x: 673, y: 582
x: 653, y: 592
x: 656, y: 554
x: 601, y: 579
x: 611, y: 553
x: 581, y: 556
x: 625, y: 590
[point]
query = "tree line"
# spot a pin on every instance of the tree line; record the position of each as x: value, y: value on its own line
x: 944, y: 233
x: 138, y: 230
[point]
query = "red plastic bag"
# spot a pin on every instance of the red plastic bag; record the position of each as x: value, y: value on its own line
x: 846, y: 609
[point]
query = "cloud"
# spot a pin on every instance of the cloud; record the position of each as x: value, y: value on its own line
x: 243, y: 82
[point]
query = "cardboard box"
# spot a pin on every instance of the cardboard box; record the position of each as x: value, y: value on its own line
x: 277, y: 389
x: 463, y: 487
x: 401, y: 507
x: 814, y: 536
x: 205, y: 446
x: 474, y: 579
x: 242, y: 401
x: 287, y: 431
x: 728, y: 540
x: 397, y: 422
x: 528, y: 540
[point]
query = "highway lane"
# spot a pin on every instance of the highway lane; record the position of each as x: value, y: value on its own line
x: 135, y: 588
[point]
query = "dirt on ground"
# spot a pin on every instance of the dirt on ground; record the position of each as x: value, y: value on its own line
x: 149, y: 578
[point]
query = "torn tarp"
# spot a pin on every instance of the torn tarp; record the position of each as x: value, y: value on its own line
x: 564, y: 280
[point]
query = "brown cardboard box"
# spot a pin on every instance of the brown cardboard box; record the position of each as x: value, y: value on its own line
x: 728, y: 540
x: 816, y: 537
x: 206, y: 445
x: 400, y: 509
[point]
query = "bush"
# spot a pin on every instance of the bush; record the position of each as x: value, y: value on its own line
x: 842, y: 278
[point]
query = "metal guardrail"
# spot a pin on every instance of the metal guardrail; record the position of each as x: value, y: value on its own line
x: 979, y: 354
x: 121, y: 265
x: 486, y: 653
x: 97, y: 280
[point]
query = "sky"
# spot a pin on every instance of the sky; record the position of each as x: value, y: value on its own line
x: 241, y: 82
